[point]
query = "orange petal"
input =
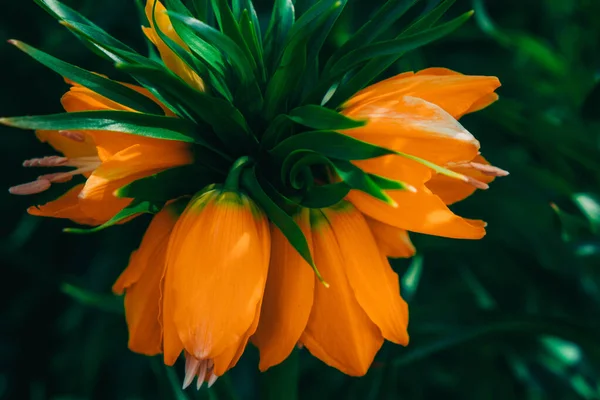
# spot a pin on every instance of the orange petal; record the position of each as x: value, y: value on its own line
x: 97, y: 201
x: 339, y: 332
x: 231, y: 356
x: 217, y: 265
x: 288, y: 298
x: 69, y: 147
x: 171, y: 60
x: 143, y: 287
x: 375, y: 284
x: 421, y: 212
x: 416, y: 127
x: 452, y: 190
x: 66, y: 206
x: 456, y: 93
x: 393, y: 242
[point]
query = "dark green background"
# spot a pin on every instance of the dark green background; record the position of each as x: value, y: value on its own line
x: 513, y: 316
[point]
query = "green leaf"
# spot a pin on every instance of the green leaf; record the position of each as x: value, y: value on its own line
x: 226, y: 121
x: 395, y: 46
x: 153, y: 126
x: 230, y: 27
x: 330, y: 144
x: 378, y: 65
x: 136, y: 207
x: 106, y: 87
x: 276, y: 215
x: 170, y: 184
x: 385, y: 17
x: 282, y: 19
x: 325, y: 195
x: 322, y: 118
x: 237, y: 58
x: 280, y: 128
x: 390, y: 184
x: 357, y: 179
x: 103, y: 302
x: 249, y: 31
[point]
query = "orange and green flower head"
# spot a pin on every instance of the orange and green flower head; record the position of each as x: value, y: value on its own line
x: 282, y: 172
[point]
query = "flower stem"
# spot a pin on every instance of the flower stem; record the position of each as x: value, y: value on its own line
x: 232, y: 183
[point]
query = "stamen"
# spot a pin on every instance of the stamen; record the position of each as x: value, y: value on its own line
x: 75, y: 136
x: 59, y: 177
x: 478, y: 184
x: 34, y: 187
x: 191, y: 369
x: 202, y: 374
x: 489, y: 170
x: 213, y: 378
x: 48, y: 161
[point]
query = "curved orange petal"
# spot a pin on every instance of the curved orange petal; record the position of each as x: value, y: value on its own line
x: 339, y: 332
x: 171, y: 60
x: 69, y: 147
x: 97, y: 200
x: 452, y: 190
x: 217, y: 265
x: 375, y: 284
x: 142, y: 284
x: 421, y: 212
x: 392, y: 242
x: 414, y: 126
x: 456, y: 93
x: 288, y: 298
x: 66, y: 206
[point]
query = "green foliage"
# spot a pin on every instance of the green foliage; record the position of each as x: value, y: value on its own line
x: 513, y: 316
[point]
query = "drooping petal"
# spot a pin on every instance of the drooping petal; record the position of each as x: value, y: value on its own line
x: 452, y: 190
x: 288, y: 298
x: 456, y: 93
x: 392, y: 242
x: 375, y: 284
x: 422, y: 212
x: 217, y: 265
x: 142, y: 283
x: 171, y: 60
x: 339, y: 332
x: 414, y: 126
x: 66, y: 206
x: 69, y: 147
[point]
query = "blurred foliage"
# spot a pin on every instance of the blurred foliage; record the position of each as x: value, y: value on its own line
x: 513, y: 316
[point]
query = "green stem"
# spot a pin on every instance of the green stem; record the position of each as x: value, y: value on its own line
x: 232, y: 182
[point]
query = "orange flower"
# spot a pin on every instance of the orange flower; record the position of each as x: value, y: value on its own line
x: 217, y: 262
x: 142, y: 283
x: 171, y: 60
x: 344, y: 324
x: 416, y: 114
x: 109, y: 160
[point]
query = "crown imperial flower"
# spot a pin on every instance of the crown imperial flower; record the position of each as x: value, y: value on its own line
x: 281, y: 179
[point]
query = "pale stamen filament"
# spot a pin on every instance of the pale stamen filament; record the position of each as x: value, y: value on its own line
x: 82, y: 165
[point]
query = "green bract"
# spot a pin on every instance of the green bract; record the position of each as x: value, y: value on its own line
x: 271, y: 98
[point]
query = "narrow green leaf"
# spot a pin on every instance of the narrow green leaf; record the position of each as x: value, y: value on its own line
x: 202, y: 10
x: 378, y: 65
x: 278, y: 216
x: 357, y: 179
x: 227, y: 122
x: 253, y: 42
x: 170, y: 184
x: 282, y: 19
x: 135, y: 208
x: 390, y: 184
x: 146, y: 125
x: 330, y: 144
x: 235, y: 55
x: 395, y: 46
x: 230, y: 27
x: 103, y: 302
x: 106, y: 87
x: 385, y: 17
x: 322, y: 118
x: 279, y: 129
